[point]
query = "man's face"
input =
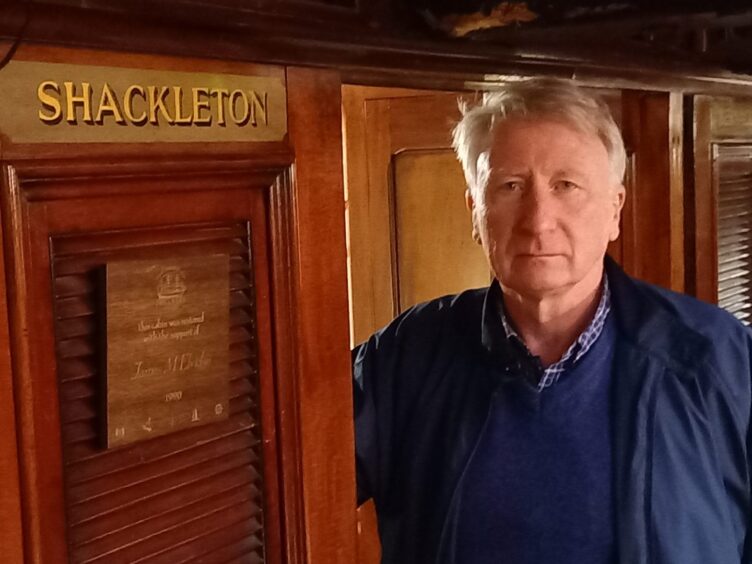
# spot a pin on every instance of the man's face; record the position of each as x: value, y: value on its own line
x: 550, y: 207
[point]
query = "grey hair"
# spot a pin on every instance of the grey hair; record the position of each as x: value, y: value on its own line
x: 545, y: 98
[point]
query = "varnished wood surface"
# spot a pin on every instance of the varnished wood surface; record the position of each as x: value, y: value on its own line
x: 184, y: 494
x: 44, y: 498
x: 653, y: 226
x: 436, y: 254
x: 34, y: 380
x: 323, y: 356
x: 11, y: 535
x: 379, y: 124
x: 702, y: 229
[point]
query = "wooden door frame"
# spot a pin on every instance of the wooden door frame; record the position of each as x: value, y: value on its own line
x: 11, y: 533
x: 653, y: 237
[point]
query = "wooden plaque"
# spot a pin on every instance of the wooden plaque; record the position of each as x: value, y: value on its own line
x: 167, y: 346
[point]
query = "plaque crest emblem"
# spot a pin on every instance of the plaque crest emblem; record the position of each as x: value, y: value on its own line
x: 171, y: 286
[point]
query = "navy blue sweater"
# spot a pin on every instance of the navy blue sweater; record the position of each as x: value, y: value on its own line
x: 538, y: 488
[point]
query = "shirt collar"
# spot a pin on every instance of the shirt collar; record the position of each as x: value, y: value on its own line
x: 576, y: 350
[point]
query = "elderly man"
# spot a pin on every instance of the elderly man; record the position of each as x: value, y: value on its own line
x: 567, y: 414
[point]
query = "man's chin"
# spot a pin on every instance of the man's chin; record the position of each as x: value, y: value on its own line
x: 536, y: 287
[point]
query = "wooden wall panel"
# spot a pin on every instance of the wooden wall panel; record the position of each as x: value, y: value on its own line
x: 701, y: 225
x: 195, y: 494
x: 11, y: 536
x: 379, y: 124
x: 321, y: 310
x: 436, y: 254
x: 653, y: 228
x: 33, y: 380
x: 732, y: 181
x: 184, y: 495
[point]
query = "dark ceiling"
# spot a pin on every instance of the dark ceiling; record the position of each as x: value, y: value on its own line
x: 716, y: 32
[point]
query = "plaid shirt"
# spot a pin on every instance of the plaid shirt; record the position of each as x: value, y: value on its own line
x: 578, y: 349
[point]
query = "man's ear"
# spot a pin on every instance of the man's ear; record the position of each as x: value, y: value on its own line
x: 619, y: 196
x: 470, y: 203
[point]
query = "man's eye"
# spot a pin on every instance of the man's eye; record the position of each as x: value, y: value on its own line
x: 565, y: 186
x: 511, y: 185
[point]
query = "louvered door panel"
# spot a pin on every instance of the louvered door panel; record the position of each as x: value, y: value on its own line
x: 191, y: 496
x: 733, y: 179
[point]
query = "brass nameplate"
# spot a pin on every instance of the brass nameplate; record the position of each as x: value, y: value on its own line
x: 62, y: 103
x: 167, y: 346
x: 730, y: 116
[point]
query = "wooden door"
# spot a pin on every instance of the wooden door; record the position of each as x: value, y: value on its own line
x: 260, y: 486
x: 410, y: 233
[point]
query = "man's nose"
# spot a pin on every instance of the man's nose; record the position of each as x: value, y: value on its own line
x: 537, y: 212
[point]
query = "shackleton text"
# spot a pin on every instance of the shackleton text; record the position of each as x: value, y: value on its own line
x: 153, y: 105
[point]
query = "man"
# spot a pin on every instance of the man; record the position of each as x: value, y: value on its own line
x: 568, y: 413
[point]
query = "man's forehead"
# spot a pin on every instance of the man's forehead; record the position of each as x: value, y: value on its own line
x: 513, y: 124
x: 545, y: 137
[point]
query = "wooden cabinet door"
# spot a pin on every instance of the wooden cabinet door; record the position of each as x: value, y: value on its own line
x: 260, y: 486
x: 410, y: 232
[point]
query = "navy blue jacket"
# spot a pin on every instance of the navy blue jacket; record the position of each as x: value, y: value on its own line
x: 681, y: 420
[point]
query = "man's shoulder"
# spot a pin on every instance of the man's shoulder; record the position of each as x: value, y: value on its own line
x: 451, y: 318
x: 706, y: 319
x: 434, y: 314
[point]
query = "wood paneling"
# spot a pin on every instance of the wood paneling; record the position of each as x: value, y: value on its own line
x: 129, y: 201
x: 188, y: 495
x: 34, y: 384
x: 11, y: 536
x: 176, y: 497
x: 380, y: 124
x: 654, y: 218
x: 436, y: 254
x: 733, y: 188
x: 97, y: 201
x: 701, y: 227
x: 320, y: 308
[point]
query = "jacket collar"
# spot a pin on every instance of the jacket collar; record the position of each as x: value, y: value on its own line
x: 493, y: 336
x: 650, y: 323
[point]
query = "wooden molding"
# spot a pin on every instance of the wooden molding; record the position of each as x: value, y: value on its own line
x: 11, y: 534
x: 362, y: 53
x: 703, y: 222
x: 321, y: 310
x: 654, y: 218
